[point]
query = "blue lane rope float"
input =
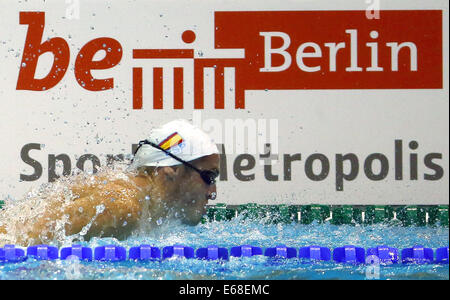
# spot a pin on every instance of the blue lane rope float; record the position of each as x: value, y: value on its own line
x: 12, y: 254
x: 281, y: 251
x: 76, y: 251
x: 178, y: 251
x: 385, y: 254
x: 245, y: 251
x: 315, y: 253
x: 145, y: 252
x: 212, y: 253
x: 418, y: 255
x: 110, y: 253
x: 43, y: 252
x: 442, y: 255
x: 347, y: 254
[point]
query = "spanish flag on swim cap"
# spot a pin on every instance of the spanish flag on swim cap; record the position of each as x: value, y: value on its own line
x: 173, y: 140
x: 180, y: 138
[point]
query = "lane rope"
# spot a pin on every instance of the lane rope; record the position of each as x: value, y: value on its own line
x: 347, y: 254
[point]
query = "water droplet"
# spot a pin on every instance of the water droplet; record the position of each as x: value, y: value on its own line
x: 100, y: 209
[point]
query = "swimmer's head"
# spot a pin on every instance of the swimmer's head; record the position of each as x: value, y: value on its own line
x: 180, y: 138
x: 184, y: 162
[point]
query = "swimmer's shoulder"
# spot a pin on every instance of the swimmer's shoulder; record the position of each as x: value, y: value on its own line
x: 110, y: 182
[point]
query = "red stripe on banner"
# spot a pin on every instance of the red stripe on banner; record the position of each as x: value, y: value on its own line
x: 219, y: 86
x: 178, y: 85
x: 162, y: 53
x: 198, y: 86
x: 157, y: 88
x: 137, y: 88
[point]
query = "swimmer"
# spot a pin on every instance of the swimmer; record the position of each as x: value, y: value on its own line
x: 172, y: 176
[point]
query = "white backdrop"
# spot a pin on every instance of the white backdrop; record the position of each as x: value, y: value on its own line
x: 68, y: 119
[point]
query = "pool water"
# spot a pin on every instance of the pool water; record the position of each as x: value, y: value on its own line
x: 239, y: 232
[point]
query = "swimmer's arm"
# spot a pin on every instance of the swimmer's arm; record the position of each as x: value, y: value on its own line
x: 111, y: 210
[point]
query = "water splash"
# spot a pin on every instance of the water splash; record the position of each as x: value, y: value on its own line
x: 41, y: 216
x: 238, y: 232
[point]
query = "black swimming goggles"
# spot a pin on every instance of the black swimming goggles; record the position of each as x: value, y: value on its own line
x: 209, y: 177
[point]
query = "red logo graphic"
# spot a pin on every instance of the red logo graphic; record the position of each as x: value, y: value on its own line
x: 282, y: 50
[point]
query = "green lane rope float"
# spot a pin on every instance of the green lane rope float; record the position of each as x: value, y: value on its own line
x: 410, y: 215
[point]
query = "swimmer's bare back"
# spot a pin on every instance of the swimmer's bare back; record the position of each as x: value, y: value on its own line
x: 98, y: 208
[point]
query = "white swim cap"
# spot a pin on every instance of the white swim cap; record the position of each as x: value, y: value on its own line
x: 180, y: 138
